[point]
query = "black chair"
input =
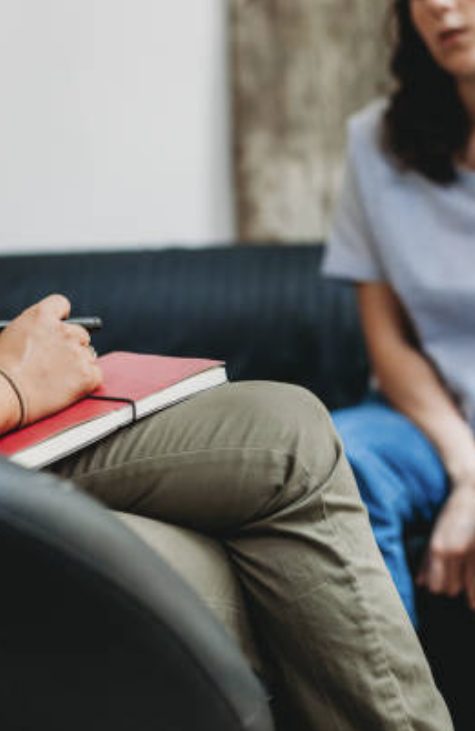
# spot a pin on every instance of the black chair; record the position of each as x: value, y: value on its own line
x: 98, y: 633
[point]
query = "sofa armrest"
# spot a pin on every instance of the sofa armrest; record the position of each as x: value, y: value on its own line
x: 204, y: 564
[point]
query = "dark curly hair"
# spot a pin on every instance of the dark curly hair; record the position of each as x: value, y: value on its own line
x: 425, y: 125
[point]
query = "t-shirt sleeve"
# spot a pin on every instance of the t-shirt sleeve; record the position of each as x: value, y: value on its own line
x: 351, y: 252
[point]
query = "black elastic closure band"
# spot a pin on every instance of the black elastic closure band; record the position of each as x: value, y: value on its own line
x: 19, y: 395
x: 120, y: 399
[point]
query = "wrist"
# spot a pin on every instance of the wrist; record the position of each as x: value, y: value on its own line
x: 12, y: 404
x: 462, y: 472
x: 9, y: 407
x: 457, y: 451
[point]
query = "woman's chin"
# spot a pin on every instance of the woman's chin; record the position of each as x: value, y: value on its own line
x: 460, y: 65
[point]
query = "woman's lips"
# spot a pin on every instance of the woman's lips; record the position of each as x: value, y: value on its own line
x: 452, y: 35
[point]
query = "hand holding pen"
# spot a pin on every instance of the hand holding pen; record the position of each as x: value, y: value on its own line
x: 43, y: 367
x: 89, y: 323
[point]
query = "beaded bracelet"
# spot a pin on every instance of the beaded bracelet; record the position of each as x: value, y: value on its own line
x: 19, y: 395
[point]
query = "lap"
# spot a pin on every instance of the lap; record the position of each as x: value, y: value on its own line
x: 211, y: 462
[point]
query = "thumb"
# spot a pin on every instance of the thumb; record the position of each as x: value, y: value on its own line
x: 55, y: 305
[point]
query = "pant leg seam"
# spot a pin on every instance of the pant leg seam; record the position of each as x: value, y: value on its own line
x: 368, y: 627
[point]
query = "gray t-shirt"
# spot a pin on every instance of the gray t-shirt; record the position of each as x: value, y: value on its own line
x: 399, y: 227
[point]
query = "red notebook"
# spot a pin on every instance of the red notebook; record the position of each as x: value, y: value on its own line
x: 134, y: 386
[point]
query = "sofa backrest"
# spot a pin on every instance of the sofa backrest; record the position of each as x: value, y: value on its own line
x: 265, y: 310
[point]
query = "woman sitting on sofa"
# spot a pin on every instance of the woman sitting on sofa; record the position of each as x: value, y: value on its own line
x: 405, y: 232
x: 239, y: 462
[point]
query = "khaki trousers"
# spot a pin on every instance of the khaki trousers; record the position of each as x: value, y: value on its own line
x: 259, y: 467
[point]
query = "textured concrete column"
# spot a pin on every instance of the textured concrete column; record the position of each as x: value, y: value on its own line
x: 300, y: 67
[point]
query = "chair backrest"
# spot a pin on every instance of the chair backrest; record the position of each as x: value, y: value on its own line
x: 265, y: 310
x: 97, y: 633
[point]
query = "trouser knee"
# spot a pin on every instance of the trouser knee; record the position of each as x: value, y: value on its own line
x: 292, y: 419
x: 296, y: 428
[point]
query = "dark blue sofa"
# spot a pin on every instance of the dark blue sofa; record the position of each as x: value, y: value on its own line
x: 265, y: 311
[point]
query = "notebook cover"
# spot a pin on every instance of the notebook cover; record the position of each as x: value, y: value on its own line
x: 131, y: 376
x: 136, y: 375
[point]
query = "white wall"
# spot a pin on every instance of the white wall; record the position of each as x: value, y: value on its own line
x: 114, y: 123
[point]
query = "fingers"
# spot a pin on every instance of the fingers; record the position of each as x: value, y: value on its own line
x: 449, y: 564
x: 77, y: 333
x: 455, y: 575
x: 55, y: 305
x: 88, y: 357
x: 436, y: 574
x: 93, y: 377
x: 81, y: 338
x: 97, y: 377
x: 443, y: 574
x: 58, y: 307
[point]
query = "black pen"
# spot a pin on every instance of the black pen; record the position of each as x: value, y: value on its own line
x: 90, y: 323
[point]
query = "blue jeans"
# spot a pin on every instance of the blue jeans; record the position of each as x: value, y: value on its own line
x: 400, y: 477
